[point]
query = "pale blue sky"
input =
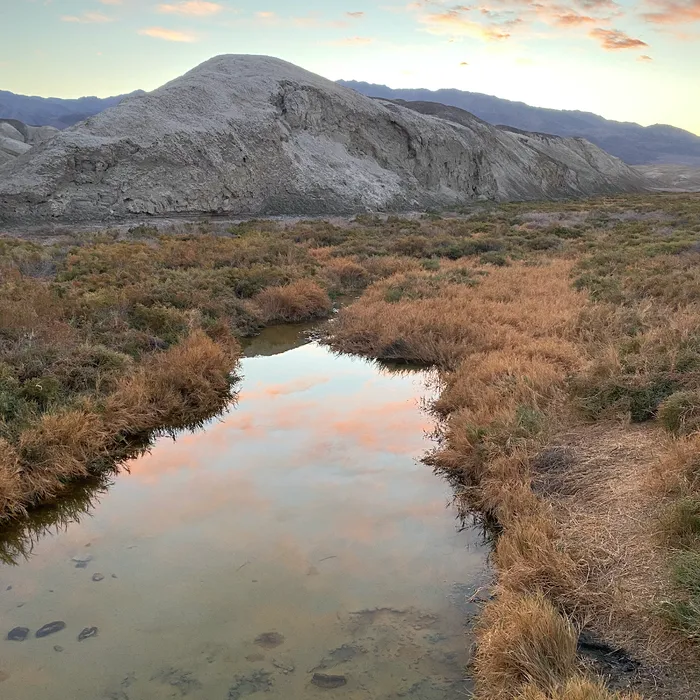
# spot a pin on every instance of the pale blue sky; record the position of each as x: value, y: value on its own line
x: 624, y: 59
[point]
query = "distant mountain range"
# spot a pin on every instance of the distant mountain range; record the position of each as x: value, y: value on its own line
x: 631, y: 142
x: 634, y: 144
x: 53, y: 111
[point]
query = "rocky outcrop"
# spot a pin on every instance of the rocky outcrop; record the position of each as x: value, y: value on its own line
x: 17, y: 138
x: 253, y: 135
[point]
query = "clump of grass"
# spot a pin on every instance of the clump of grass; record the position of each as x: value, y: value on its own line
x: 302, y: 300
x: 578, y: 688
x: 680, y: 412
x: 525, y: 643
x: 681, y: 523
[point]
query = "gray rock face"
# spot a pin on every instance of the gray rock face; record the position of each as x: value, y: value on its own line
x: 17, y: 138
x: 253, y: 135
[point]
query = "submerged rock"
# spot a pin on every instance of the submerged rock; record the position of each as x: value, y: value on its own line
x: 256, y: 682
x: 98, y: 577
x: 269, y: 640
x: 82, y: 560
x: 184, y: 681
x: 341, y: 655
x: 50, y: 628
x: 325, y: 680
x: 87, y: 633
x: 57, y: 647
x: 283, y: 665
x: 18, y: 634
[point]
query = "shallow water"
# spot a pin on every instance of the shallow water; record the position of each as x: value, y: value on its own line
x: 296, y: 535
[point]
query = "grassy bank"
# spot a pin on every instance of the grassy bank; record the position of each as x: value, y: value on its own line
x: 567, y: 336
x: 589, y: 315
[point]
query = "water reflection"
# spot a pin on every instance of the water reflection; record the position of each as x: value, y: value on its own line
x: 296, y: 535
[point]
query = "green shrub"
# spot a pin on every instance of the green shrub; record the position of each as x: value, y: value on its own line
x: 494, y: 258
x: 681, y: 524
x: 680, y: 412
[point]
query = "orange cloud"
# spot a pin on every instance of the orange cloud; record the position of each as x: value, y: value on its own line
x: 615, y: 39
x: 573, y: 19
x: 645, y: 58
x: 193, y: 8
x: 673, y: 11
x: 456, y: 23
x: 167, y: 34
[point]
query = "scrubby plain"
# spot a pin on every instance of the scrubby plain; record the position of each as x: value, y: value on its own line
x: 567, y: 336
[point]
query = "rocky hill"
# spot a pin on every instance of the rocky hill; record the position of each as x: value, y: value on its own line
x: 631, y: 142
x: 53, y: 111
x: 253, y: 135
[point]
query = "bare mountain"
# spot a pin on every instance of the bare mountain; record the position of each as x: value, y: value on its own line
x: 671, y: 178
x: 631, y: 142
x: 53, y: 111
x: 253, y: 135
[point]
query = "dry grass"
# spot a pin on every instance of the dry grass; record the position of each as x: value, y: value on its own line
x: 589, y: 533
x: 299, y: 301
x: 170, y: 390
x: 524, y: 643
x: 577, y: 688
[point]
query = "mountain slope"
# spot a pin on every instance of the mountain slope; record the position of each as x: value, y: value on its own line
x: 253, y: 135
x: 631, y: 142
x: 53, y: 111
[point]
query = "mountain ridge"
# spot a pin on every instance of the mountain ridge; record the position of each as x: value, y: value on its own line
x: 54, y: 111
x: 253, y: 135
x: 633, y: 143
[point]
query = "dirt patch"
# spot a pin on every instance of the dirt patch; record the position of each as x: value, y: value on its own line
x: 597, y: 479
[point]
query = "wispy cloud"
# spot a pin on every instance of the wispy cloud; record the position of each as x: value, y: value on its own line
x: 168, y: 34
x: 458, y: 22
x: 616, y: 39
x: 112, y: 2
x: 352, y: 41
x: 191, y: 8
x: 88, y: 18
x: 355, y: 15
x: 645, y: 58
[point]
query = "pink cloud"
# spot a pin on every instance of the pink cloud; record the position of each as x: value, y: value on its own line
x: 88, y: 18
x: 616, y: 39
x: 192, y: 8
x: 167, y: 34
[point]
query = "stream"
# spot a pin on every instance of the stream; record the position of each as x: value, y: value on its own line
x: 295, y: 547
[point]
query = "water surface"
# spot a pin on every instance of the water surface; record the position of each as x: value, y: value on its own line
x: 298, y: 534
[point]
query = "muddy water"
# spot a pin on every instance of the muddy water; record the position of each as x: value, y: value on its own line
x: 296, y: 535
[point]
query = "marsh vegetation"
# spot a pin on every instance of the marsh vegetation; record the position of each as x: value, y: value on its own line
x: 567, y: 336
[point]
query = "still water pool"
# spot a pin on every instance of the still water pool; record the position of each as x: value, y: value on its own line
x: 294, y: 548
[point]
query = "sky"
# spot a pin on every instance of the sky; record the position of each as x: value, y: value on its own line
x: 630, y: 60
